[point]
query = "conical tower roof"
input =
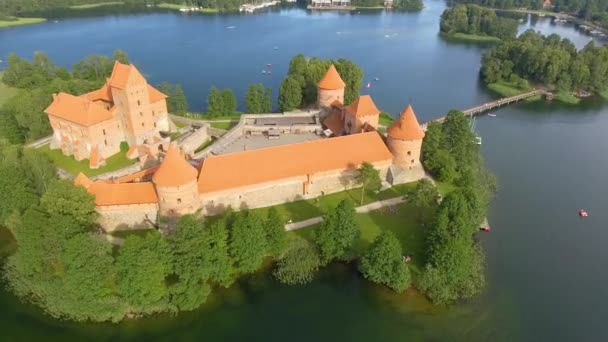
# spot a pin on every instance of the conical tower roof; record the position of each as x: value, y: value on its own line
x: 406, y: 127
x: 174, y: 170
x: 363, y: 106
x: 331, y: 80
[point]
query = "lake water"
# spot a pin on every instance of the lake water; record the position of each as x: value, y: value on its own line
x: 545, y: 266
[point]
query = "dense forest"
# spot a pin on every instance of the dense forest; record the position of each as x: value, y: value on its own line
x: 594, y: 10
x: 299, y: 88
x: 476, y: 20
x: 406, y: 5
x: 550, y: 60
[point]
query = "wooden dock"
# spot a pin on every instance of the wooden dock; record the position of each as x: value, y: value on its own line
x: 484, y: 107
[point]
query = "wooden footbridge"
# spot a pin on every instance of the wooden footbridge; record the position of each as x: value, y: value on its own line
x: 484, y: 107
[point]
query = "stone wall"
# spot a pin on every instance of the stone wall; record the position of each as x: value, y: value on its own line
x: 125, y: 217
x: 190, y: 143
x: 286, y: 190
x: 179, y: 200
x: 325, y: 97
x: 406, y: 154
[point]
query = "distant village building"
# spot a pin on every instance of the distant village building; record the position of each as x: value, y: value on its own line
x: 267, y: 176
x: 329, y: 3
x: 92, y: 126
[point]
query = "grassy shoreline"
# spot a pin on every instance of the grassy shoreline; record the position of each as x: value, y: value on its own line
x: 21, y: 22
x: 473, y: 38
x: 101, y: 4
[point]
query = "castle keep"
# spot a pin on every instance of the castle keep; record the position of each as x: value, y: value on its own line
x: 92, y: 126
x: 270, y: 175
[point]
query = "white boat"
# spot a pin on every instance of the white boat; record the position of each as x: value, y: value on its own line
x: 492, y: 115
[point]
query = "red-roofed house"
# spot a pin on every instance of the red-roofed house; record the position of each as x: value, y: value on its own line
x: 92, y: 126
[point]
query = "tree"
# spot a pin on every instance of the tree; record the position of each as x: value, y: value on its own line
x: 179, y: 101
x: 143, y: 265
x: 65, y: 199
x: 16, y: 195
x: 190, y: 289
x: 229, y: 102
x: 299, y: 264
x: 276, y: 236
x: 215, y: 103
x: 248, y: 245
x: 253, y: 98
x: 290, y: 94
x: 425, y: 197
x: 38, y: 169
x: 383, y: 263
x: 337, y: 233
x: 267, y: 101
x: 368, y: 178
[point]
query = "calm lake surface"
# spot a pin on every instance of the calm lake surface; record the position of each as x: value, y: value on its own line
x: 546, y: 267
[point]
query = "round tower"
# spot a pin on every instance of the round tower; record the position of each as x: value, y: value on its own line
x: 404, y: 139
x: 176, y: 185
x: 330, y: 88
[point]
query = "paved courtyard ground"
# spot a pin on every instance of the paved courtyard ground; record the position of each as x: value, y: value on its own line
x: 254, y: 142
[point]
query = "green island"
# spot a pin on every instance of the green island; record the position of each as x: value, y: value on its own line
x: 474, y: 23
x: 66, y: 266
x: 550, y: 62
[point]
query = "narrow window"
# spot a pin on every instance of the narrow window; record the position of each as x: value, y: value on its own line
x: 409, y: 153
x: 104, y: 131
x: 143, y: 124
x: 105, y: 141
x: 155, y: 125
x: 179, y: 201
x: 141, y: 113
x: 138, y: 102
x: 412, y: 161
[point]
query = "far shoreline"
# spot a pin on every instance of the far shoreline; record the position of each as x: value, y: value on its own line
x: 21, y: 22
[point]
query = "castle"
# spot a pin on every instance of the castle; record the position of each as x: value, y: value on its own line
x: 271, y: 175
x: 93, y: 126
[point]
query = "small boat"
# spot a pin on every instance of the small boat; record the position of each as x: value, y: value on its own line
x: 492, y: 115
x: 583, y: 213
x: 269, y: 65
x: 268, y: 72
x: 478, y: 140
x: 263, y: 71
x: 368, y: 85
x: 230, y: 27
x: 376, y: 79
x: 485, y: 229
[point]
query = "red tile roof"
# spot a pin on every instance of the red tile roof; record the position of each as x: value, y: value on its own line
x: 331, y: 80
x: 76, y: 109
x: 122, y: 73
x: 123, y: 193
x: 241, y: 169
x: 335, y: 123
x: 363, y: 106
x: 174, y: 170
x: 155, y: 95
x: 406, y: 127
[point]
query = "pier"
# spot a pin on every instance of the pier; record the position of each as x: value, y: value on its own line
x: 484, y: 107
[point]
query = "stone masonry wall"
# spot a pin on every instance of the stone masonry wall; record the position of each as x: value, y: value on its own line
x: 125, y: 217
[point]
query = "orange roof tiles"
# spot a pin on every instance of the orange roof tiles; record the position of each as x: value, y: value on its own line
x: 123, y: 193
x: 77, y: 109
x: 82, y: 180
x: 240, y: 169
x: 331, y: 80
x: 137, y: 175
x: 363, y: 106
x: 155, y: 95
x: 122, y: 73
x: 104, y: 94
x: 406, y: 127
x: 174, y: 170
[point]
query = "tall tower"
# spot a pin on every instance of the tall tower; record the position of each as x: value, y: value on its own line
x: 176, y: 186
x: 330, y: 88
x: 405, y: 140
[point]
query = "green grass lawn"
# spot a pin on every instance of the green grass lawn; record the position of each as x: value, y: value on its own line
x: 224, y: 125
x: 474, y: 38
x: 566, y: 97
x: 21, y: 21
x: 71, y: 165
x: 87, y: 6
x: 403, y: 222
x: 305, y: 209
x: 6, y: 92
x: 385, y: 119
x: 506, y: 89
